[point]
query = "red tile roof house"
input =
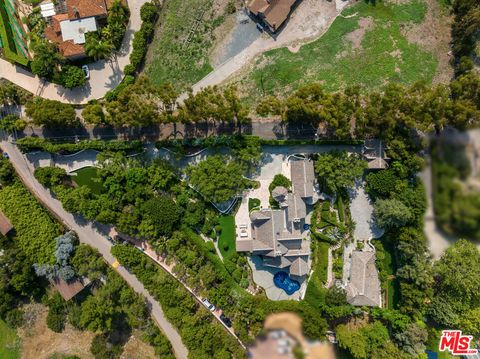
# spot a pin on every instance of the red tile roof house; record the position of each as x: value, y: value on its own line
x: 273, y: 13
x: 68, y: 29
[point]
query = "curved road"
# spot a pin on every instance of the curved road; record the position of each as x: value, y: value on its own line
x: 87, y: 234
x: 104, y: 75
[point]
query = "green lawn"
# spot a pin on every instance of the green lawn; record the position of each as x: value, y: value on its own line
x: 9, y: 342
x: 86, y: 177
x: 170, y: 59
x: 383, y: 55
x: 387, y: 270
x: 315, y: 294
x: 227, y: 237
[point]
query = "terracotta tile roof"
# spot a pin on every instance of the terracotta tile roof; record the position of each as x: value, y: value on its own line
x: 85, y: 8
x: 5, y: 225
x: 69, y: 49
x: 53, y: 31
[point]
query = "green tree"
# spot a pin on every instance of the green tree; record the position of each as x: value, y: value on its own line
x: 218, y: 178
x: 49, y: 113
x: 46, y: 58
x: 338, y: 170
x: 87, y: 262
x: 11, y: 123
x: 163, y: 213
x: 391, y: 213
x: 72, y: 76
x: 93, y: 114
x: 458, y: 276
x: 97, y: 48
x: 50, y: 176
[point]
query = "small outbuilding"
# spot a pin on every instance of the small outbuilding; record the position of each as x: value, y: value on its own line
x: 68, y: 290
x: 5, y: 226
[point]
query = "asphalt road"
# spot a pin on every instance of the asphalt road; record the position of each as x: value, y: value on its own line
x: 88, y: 234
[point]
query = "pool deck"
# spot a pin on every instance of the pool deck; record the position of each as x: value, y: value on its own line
x: 263, y: 276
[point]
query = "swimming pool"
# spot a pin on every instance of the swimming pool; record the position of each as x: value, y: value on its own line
x: 282, y: 280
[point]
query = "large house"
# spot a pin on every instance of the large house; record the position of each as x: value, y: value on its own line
x: 69, y: 21
x: 278, y: 235
x: 273, y: 13
x: 363, y: 287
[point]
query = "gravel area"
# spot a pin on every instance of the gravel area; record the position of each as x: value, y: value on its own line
x: 362, y: 214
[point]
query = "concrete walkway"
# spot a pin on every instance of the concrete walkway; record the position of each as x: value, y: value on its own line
x: 104, y: 75
x: 88, y: 234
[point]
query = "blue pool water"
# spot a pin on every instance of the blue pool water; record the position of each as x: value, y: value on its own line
x: 282, y: 280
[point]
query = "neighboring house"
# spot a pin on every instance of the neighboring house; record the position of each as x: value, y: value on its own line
x: 374, y: 152
x: 68, y: 290
x: 5, y: 225
x: 278, y: 235
x: 69, y: 21
x: 363, y: 287
x: 273, y: 13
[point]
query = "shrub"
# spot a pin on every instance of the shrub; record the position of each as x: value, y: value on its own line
x: 28, y: 144
x: 14, y: 318
x: 72, y: 76
x: 129, y: 70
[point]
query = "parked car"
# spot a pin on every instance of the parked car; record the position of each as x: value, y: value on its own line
x: 226, y: 320
x: 5, y: 155
x: 86, y: 71
x: 209, y: 305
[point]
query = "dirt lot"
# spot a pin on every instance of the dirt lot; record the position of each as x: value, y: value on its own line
x: 434, y: 35
x: 39, y: 342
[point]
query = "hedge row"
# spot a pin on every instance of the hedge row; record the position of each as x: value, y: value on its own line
x: 149, y: 15
x: 28, y: 144
x: 230, y: 140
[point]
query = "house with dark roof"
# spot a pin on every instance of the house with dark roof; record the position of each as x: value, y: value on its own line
x: 363, y: 287
x: 5, y: 225
x: 68, y: 290
x: 278, y: 235
x: 272, y: 13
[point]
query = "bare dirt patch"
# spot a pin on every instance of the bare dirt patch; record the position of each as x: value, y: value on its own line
x: 39, y: 342
x: 434, y: 35
x: 356, y: 37
x: 137, y: 349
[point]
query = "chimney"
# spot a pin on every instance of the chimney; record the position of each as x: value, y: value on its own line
x: 76, y: 13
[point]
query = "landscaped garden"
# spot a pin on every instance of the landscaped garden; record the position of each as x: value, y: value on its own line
x: 88, y: 176
x: 364, y: 46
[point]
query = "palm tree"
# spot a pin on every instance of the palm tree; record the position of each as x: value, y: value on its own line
x: 98, y: 49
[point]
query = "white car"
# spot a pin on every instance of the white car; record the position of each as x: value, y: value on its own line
x: 209, y: 305
x: 86, y: 71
